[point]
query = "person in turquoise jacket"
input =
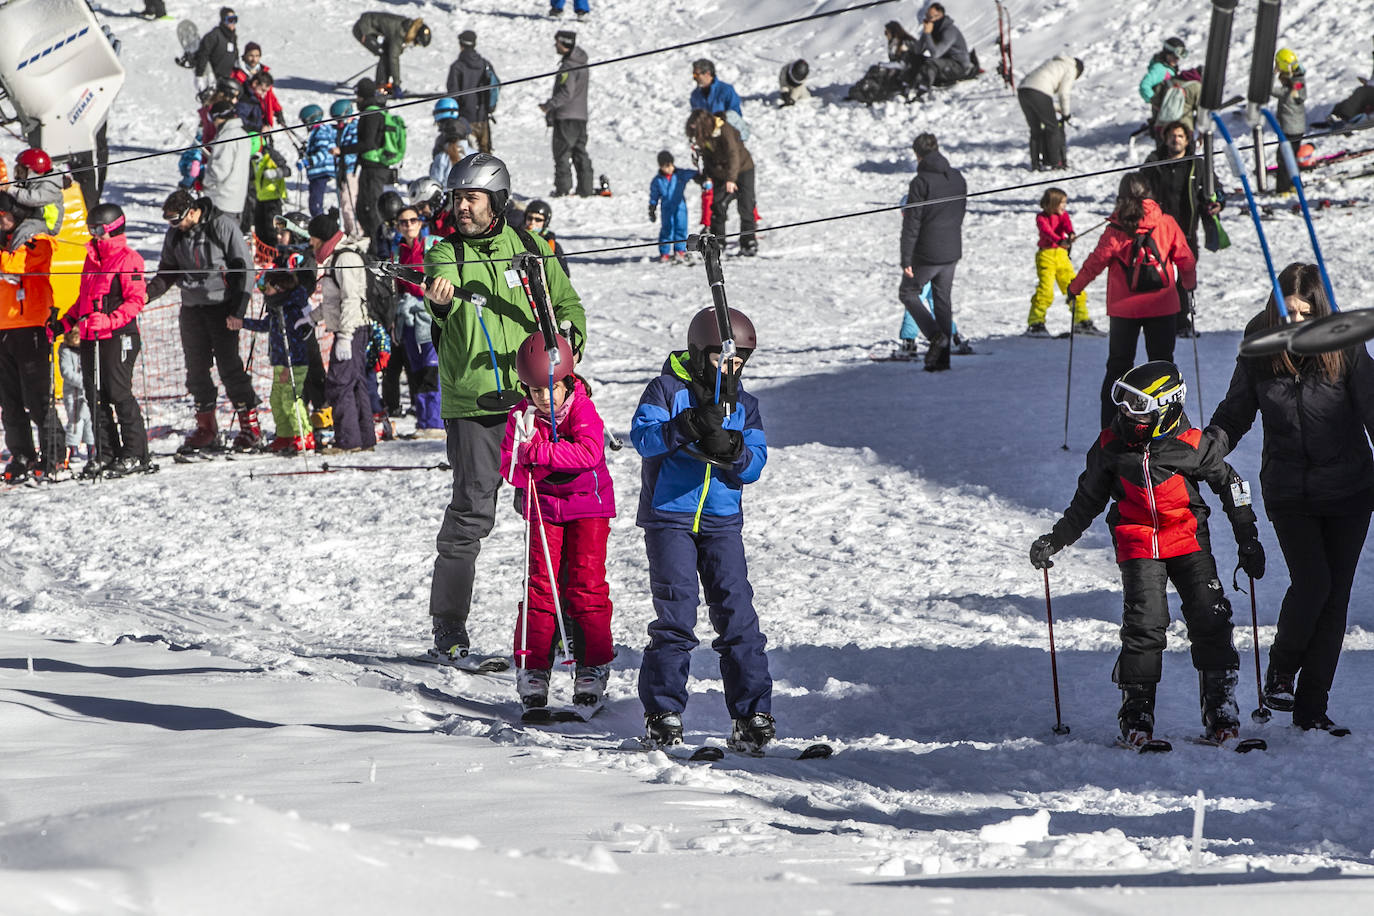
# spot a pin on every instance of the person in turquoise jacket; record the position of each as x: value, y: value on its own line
x: 477, y: 356
x: 668, y: 190
x: 1162, y: 66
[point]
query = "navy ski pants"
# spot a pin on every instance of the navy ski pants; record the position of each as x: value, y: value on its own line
x: 676, y: 558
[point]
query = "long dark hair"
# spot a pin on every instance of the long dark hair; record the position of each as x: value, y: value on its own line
x: 700, y: 125
x: 894, y: 30
x: 1131, y: 194
x: 1305, y: 282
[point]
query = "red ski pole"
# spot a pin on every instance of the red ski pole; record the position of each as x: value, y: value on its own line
x: 1059, y: 727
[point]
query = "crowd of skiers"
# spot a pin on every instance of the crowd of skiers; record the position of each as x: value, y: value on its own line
x: 696, y: 428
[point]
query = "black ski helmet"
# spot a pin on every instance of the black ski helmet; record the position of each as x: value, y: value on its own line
x: 1176, y: 47
x: 389, y: 205
x: 1151, y: 398
x: 703, y: 336
x: 541, y: 207
x: 108, y: 217
x: 797, y: 72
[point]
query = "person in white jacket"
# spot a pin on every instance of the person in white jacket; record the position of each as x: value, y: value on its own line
x: 226, y: 176
x: 343, y: 309
x: 1053, y: 80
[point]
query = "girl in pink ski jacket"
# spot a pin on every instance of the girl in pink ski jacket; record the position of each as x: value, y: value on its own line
x: 574, y: 503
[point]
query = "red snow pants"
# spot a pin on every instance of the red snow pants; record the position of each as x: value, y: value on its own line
x: 578, y: 551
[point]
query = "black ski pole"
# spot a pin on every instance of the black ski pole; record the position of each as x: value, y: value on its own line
x: 296, y: 404
x: 710, y: 247
x: 1068, y: 387
x: 1059, y: 727
x: 531, y: 270
x: 1197, y: 364
x: 1261, y: 713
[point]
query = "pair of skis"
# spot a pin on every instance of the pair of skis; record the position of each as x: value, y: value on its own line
x: 1004, y: 46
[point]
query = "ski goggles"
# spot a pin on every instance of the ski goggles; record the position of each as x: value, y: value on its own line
x: 1141, y: 404
x: 175, y: 218
x: 100, y: 230
x: 230, y: 19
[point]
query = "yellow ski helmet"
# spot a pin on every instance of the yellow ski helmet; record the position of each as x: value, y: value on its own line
x: 1286, y: 60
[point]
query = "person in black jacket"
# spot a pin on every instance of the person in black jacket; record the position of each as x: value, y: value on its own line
x: 219, y: 47
x: 1180, y: 189
x: 932, y: 244
x: 373, y: 177
x: 945, y: 56
x: 387, y: 35
x: 469, y: 71
x: 1317, y: 480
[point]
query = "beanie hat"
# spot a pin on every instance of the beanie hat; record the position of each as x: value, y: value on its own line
x: 324, y: 226
x: 365, y: 89
x: 467, y: 38
x: 565, y: 38
x: 225, y: 12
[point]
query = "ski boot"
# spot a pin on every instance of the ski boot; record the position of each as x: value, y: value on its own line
x: 206, y: 433
x: 96, y: 467
x: 1321, y: 722
x: 249, y: 438
x: 663, y: 729
x: 752, y: 733
x: 450, y: 638
x: 589, y: 686
x: 1278, y: 689
x: 533, y: 686
x: 960, y: 346
x: 1086, y: 328
x: 280, y: 444
x: 1137, y: 714
x: 937, y: 357
x: 17, y: 470
x: 1220, y: 715
x: 130, y: 465
x: 1037, y: 330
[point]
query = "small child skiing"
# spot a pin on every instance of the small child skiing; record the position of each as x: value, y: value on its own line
x: 286, y: 321
x: 80, y: 431
x: 1148, y: 463
x: 701, y: 445
x: 668, y: 189
x: 1290, y: 107
x: 1052, y: 265
x: 553, y: 454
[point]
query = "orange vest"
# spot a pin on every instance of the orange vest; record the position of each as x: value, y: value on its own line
x: 26, y: 304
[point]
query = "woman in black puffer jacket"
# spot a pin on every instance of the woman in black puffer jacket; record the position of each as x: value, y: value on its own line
x: 1317, y: 482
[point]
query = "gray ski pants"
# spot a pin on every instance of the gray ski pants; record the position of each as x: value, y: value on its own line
x: 474, y: 453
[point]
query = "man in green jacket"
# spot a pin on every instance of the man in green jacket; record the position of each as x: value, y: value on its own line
x: 477, y: 258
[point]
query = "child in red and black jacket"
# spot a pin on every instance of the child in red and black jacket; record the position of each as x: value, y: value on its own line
x: 1149, y: 463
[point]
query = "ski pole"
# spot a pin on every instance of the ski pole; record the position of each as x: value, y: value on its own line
x: 1068, y: 386
x: 1197, y: 364
x: 95, y: 404
x: 568, y: 658
x: 348, y: 80
x: 1261, y: 712
x: 297, y: 408
x: 1059, y: 727
x: 710, y: 247
x: 523, y: 653
x: 1291, y: 164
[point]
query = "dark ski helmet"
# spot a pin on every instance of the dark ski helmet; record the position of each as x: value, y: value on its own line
x: 312, y: 114
x: 389, y: 205
x: 35, y: 160
x: 797, y: 72
x: 1176, y: 47
x: 467, y: 39
x: 532, y: 361
x: 482, y: 172
x: 703, y: 336
x: 422, y: 34
x: 541, y: 207
x: 342, y: 108
x: 426, y: 190
x: 105, y: 219
x: 565, y: 38
x: 1150, y: 398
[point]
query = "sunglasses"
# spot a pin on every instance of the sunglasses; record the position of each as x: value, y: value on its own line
x: 408, y: 222
x: 100, y: 230
x: 176, y: 217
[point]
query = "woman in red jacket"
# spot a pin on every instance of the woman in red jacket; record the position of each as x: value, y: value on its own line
x: 1146, y: 256
x: 113, y: 292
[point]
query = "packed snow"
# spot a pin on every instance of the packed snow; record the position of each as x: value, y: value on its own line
x: 206, y: 704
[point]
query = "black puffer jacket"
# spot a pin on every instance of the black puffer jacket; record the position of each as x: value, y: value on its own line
x: 218, y: 50
x: 1316, y: 458
x: 466, y: 72
x: 933, y: 234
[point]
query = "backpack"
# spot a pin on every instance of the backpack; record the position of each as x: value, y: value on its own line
x: 1146, y: 269
x: 881, y: 83
x: 1173, y: 104
x: 489, y: 78
x: 392, y: 152
x: 736, y: 120
x: 381, y: 298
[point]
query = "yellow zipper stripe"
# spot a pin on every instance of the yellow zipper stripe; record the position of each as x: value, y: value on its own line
x: 701, y: 503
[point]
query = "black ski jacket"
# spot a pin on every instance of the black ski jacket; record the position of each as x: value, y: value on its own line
x: 466, y: 73
x: 1316, y: 458
x: 934, y: 234
x: 1180, y: 190
x: 219, y: 50
x: 370, y: 124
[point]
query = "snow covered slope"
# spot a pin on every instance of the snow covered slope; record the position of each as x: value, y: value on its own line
x: 270, y: 767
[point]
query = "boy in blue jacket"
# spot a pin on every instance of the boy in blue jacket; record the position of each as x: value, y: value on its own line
x: 699, y: 450
x: 668, y: 189
x: 320, y: 162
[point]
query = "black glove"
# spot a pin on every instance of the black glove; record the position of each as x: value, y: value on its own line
x: 723, y: 444
x: 1044, y: 547
x: 1251, y: 555
x: 55, y: 324
x: 695, y: 423
x: 653, y: 213
x: 1064, y: 119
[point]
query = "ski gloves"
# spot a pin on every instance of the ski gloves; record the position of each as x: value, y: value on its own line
x: 1250, y: 552
x: 1042, y: 549
x: 653, y: 213
x: 703, y: 424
